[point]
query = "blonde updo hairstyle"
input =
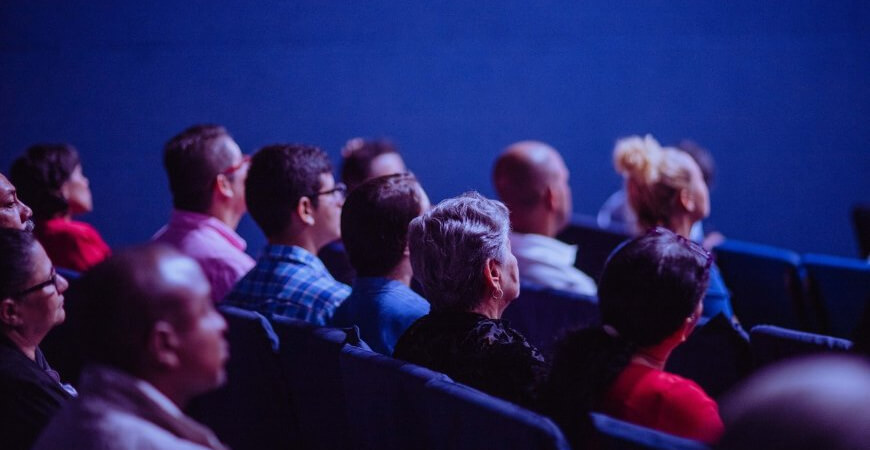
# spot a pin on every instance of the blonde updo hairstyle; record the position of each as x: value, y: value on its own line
x: 654, y: 177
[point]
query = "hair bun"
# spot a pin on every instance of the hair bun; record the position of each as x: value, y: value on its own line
x: 638, y: 158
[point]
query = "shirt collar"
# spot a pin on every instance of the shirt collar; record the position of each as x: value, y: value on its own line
x: 294, y: 254
x: 190, y: 219
x: 523, y: 243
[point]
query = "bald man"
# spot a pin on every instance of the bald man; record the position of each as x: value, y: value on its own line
x: 153, y: 339
x: 530, y: 177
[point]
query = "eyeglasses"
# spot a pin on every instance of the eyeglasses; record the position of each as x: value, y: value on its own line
x: 235, y: 167
x: 340, y: 189
x: 52, y: 280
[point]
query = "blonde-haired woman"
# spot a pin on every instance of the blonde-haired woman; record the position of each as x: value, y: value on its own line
x: 665, y: 187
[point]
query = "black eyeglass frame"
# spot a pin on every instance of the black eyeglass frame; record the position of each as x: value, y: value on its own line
x: 340, y: 188
x: 51, y: 280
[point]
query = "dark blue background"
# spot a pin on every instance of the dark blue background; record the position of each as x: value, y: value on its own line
x: 779, y: 92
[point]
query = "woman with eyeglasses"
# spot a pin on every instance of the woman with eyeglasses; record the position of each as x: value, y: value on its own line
x: 650, y: 300
x: 666, y: 188
x: 49, y: 178
x: 31, y: 304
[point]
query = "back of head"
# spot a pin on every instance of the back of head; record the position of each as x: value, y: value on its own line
x: 16, y: 266
x: 122, y: 298
x: 374, y: 222
x: 357, y: 158
x: 192, y: 160
x: 278, y: 177
x: 702, y: 157
x: 649, y: 286
x: 39, y: 175
x: 521, y: 174
x: 653, y: 176
x: 810, y: 403
x: 450, y: 245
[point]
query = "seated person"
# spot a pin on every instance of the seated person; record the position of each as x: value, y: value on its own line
x: 374, y: 228
x: 650, y: 299
x: 293, y: 197
x: 13, y: 212
x: 31, y: 304
x: 49, y: 178
x: 666, y: 188
x: 461, y: 254
x: 152, y: 339
x: 361, y: 160
x: 532, y: 180
x: 207, y: 171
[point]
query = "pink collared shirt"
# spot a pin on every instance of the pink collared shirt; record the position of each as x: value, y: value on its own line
x: 217, y: 248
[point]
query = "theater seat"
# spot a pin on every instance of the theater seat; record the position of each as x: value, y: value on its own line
x: 765, y: 283
x: 616, y: 434
x: 543, y: 315
x: 841, y: 289
x: 463, y: 418
x: 253, y: 410
x: 771, y: 344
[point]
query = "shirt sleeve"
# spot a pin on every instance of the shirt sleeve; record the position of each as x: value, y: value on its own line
x: 689, y: 412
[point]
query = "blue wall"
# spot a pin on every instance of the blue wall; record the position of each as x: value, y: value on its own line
x: 779, y: 93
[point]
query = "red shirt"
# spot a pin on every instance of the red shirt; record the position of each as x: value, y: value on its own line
x: 71, y: 244
x: 656, y: 399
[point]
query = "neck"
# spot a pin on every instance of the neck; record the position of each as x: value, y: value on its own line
x: 27, y: 346
x: 490, y: 308
x: 169, y: 389
x: 655, y: 356
x: 534, y: 221
x: 682, y: 226
x: 291, y: 238
x: 225, y: 215
x: 402, y: 272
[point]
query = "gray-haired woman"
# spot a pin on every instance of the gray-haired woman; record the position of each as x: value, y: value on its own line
x: 461, y: 255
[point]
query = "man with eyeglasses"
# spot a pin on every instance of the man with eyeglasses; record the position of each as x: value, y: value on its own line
x: 13, y: 213
x: 207, y: 174
x: 292, y: 195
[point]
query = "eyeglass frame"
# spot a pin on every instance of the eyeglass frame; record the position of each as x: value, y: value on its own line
x: 339, y: 187
x: 52, y: 280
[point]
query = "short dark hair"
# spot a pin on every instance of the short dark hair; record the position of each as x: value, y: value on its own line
x: 374, y: 222
x: 118, y: 303
x: 40, y: 173
x: 192, y: 160
x: 278, y: 177
x: 16, y: 265
x: 357, y: 156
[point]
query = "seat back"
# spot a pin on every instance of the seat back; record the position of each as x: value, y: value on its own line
x: 253, y: 410
x: 309, y: 356
x: 861, y: 221
x: 459, y: 417
x: 594, y: 243
x: 765, y: 283
x: 543, y: 315
x: 840, y: 288
x: 385, y: 400
x: 616, y: 434
x: 771, y: 344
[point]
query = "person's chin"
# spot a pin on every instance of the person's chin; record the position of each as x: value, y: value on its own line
x: 29, y: 226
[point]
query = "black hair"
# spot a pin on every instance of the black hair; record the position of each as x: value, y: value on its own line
x: 16, y: 265
x: 649, y: 286
x: 374, y: 222
x: 40, y: 173
x: 357, y: 157
x: 279, y: 176
x: 192, y: 159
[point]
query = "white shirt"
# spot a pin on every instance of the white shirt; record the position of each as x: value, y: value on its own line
x: 549, y: 262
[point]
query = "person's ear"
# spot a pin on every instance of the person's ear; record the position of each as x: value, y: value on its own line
x: 163, y: 344
x: 551, y: 200
x: 223, y: 186
x: 9, y: 312
x: 492, y: 276
x: 406, y: 251
x: 687, y: 200
x: 64, y: 190
x: 305, y: 211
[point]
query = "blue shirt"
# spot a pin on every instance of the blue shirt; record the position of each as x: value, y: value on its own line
x: 291, y: 282
x: 718, y: 299
x: 383, y: 309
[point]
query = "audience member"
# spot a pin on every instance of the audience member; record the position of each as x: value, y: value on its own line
x: 51, y: 180
x: 809, y: 403
x: 13, y: 212
x: 153, y: 340
x: 361, y: 160
x: 31, y: 303
x: 665, y: 187
x: 532, y: 180
x: 461, y: 254
x: 207, y: 172
x: 374, y: 227
x: 293, y: 197
x: 650, y: 299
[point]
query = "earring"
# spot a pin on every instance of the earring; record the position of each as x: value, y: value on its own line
x: 500, y: 293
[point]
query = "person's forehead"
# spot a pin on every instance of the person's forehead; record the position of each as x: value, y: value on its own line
x: 327, y: 180
x: 6, y: 187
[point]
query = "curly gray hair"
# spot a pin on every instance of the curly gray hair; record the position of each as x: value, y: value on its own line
x: 451, y: 243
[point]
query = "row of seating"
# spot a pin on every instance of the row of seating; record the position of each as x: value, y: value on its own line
x: 293, y: 385
x: 769, y: 285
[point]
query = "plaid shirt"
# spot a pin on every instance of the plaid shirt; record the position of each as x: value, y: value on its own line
x: 291, y: 282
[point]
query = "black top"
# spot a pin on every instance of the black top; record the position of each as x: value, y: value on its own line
x: 472, y: 349
x: 30, y: 394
